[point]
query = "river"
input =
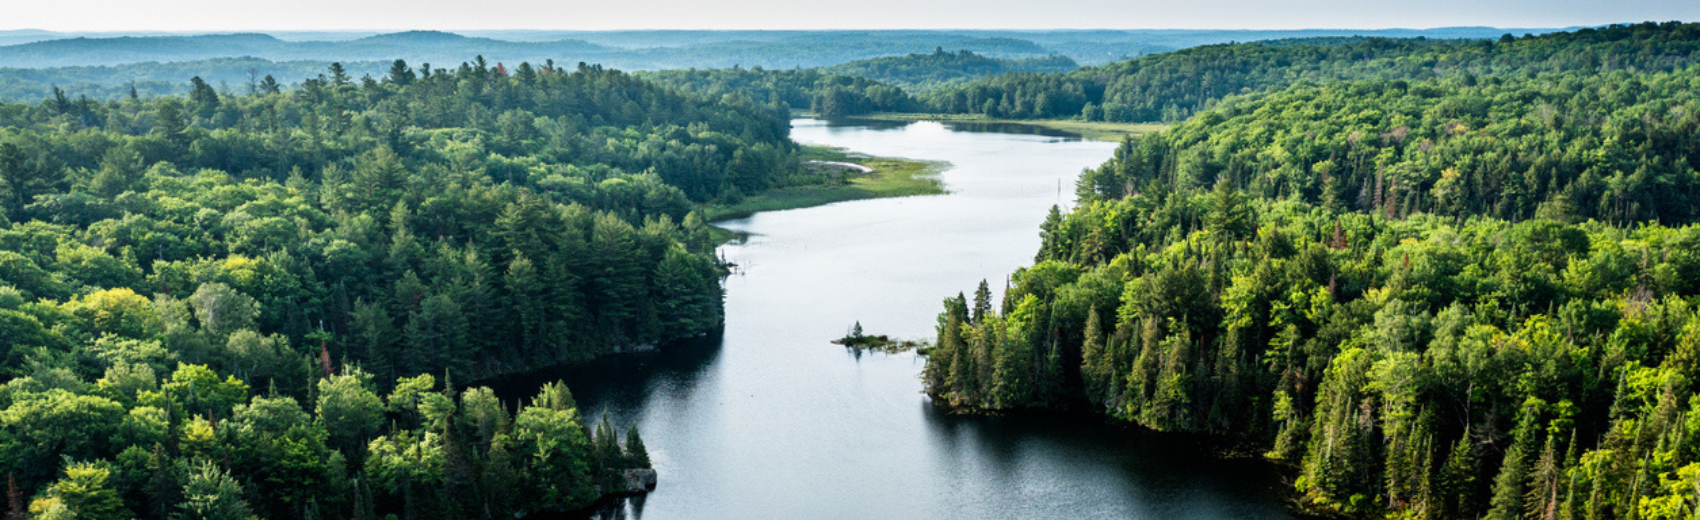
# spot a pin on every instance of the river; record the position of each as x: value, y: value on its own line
x: 771, y: 421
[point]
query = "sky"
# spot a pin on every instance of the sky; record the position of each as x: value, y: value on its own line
x: 285, y: 15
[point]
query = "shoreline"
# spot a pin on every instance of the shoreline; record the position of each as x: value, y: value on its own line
x: 1220, y: 447
x: 1090, y: 130
x: 876, y: 178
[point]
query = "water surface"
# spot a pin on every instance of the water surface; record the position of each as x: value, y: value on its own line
x: 772, y: 421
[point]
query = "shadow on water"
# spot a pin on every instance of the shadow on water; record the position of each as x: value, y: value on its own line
x: 1171, y: 475
x: 609, y: 508
x: 621, y: 381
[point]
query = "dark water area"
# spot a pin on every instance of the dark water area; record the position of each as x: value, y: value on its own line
x: 770, y: 420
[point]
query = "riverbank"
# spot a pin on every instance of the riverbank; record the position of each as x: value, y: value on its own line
x: 886, y: 177
x: 1094, y: 130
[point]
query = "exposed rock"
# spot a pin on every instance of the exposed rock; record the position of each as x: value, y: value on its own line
x: 640, y: 480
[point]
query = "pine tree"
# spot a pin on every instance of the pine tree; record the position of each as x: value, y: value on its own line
x: 164, y: 486
x: 204, y: 97
x: 339, y: 76
x: 171, y: 125
x: 636, y: 455
x: 982, y: 303
x: 1171, y: 401
x: 1231, y: 215
x: 1508, y: 486
x: 1052, y: 243
x: 269, y: 85
x: 1542, y: 500
x: 399, y: 73
x: 1095, y: 362
x: 943, y: 356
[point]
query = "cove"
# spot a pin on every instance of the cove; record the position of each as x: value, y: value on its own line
x: 770, y: 420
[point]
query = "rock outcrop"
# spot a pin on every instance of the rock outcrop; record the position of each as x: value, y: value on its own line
x: 640, y: 480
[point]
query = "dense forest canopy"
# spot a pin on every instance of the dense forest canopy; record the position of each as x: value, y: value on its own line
x: 920, y: 72
x: 1470, y: 294
x: 830, y: 95
x: 204, y: 301
x: 103, y: 66
x: 1173, y: 86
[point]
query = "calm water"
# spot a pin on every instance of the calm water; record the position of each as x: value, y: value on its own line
x: 772, y: 421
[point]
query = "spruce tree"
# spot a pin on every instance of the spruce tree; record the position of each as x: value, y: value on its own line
x: 1095, y: 362
x: 1508, y: 486
x: 636, y: 455
x: 399, y: 74
x: 982, y: 303
x: 339, y: 76
x: 269, y: 85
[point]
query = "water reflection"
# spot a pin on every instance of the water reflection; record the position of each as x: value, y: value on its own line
x: 621, y: 381
x: 771, y: 420
x: 1000, y: 127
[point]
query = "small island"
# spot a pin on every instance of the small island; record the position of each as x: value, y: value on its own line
x: 859, y: 340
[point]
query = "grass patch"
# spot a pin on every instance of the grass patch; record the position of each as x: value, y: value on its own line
x: 891, y: 178
x: 1094, y: 130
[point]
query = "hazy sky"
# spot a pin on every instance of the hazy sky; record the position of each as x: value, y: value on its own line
x: 227, y: 15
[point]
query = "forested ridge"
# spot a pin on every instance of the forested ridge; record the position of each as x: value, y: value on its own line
x: 1460, y: 296
x: 1175, y: 85
x: 925, y: 71
x: 827, y: 94
x: 233, y: 306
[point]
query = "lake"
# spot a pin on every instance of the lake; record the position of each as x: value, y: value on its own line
x: 770, y: 420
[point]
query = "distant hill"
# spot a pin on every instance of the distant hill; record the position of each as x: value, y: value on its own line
x: 416, y: 46
x: 1175, y: 85
x: 646, y: 50
x: 103, y: 65
x: 940, y: 68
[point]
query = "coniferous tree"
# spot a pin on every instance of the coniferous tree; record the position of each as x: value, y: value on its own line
x: 1513, y: 477
x: 400, y: 74
x: 339, y: 75
x: 982, y: 303
x: 636, y: 455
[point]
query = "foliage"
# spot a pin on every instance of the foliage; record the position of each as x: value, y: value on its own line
x: 1445, y: 345
x: 204, y: 300
x: 921, y: 72
x: 1176, y: 85
x: 825, y: 93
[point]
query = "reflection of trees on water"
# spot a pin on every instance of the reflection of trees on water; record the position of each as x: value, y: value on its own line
x: 959, y: 126
x: 624, y: 508
x: 1169, y: 475
x: 621, y: 382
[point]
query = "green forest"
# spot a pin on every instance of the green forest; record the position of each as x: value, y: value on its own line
x: 1468, y: 292
x: 230, y: 307
x: 1176, y: 85
x: 922, y: 72
x: 826, y: 94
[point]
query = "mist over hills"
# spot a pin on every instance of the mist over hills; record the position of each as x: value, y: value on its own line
x: 104, y: 65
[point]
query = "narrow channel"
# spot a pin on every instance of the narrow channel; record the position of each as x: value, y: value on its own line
x: 770, y: 420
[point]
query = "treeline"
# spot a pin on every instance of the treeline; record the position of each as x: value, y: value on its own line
x: 1173, y: 86
x: 231, y: 76
x: 826, y: 94
x: 921, y: 72
x: 422, y: 221
x: 201, y: 298
x: 1616, y: 147
x: 1525, y: 347
x: 187, y: 444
